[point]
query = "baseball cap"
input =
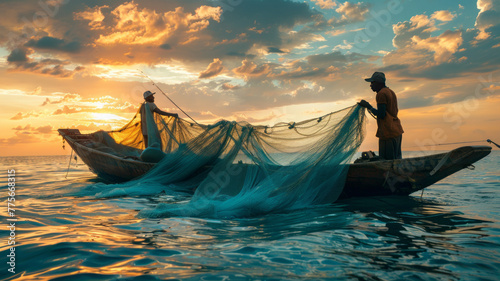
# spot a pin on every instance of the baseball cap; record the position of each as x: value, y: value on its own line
x: 148, y: 93
x: 376, y: 77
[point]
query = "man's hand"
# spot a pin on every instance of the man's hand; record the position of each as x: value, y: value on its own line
x: 364, y: 103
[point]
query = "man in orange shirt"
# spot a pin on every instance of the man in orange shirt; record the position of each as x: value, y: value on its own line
x: 390, y: 131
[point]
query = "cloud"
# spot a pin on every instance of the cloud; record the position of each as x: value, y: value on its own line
x: 70, y: 103
x: 133, y: 32
x: 92, y: 127
x: 18, y: 55
x: 66, y: 98
x: 275, y: 50
x: 352, y: 12
x: 51, y: 43
x: 453, y: 53
x: 349, y: 13
x: 94, y: 16
x: 264, y: 31
x: 28, y: 134
x: 135, y: 26
x: 335, y: 58
x: 48, y: 129
x: 213, y: 69
x: 488, y: 16
x: 166, y: 46
x: 45, y: 129
x: 419, y: 25
x: 250, y: 69
x: 105, y: 104
x: 227, y: 86
x: 21, y: 115
x: 443, y: 15
x: 21, y: 138
x: 325, y: 4
x: 443, y: 46
x: 21, y: 62
x: 67, y: 110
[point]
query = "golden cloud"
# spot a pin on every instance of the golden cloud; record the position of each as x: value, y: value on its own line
x: 488, y: 16
x: 227, y: 86
x: 67, y: 110
x: 325, y: 4
x: 65, y: 98
x: 443, y: 46
x: 213, y: 69
x: 94, y: 16
x: 42, y: 129
x: 249, y: 68
x: 19, y: 138
x: 443, y: 15
x: 21, y: 115
x: 352, y: 12
x: 134, y: 26
x: 92, y: 127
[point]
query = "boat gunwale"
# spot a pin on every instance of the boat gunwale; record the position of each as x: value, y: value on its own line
x: 93, y: 150
x: 419, y: 158
x: 379, y: 162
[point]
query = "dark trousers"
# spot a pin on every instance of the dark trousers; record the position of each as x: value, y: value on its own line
x: 391, y: 148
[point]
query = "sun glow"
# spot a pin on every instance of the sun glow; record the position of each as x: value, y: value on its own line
x: 106, y: 117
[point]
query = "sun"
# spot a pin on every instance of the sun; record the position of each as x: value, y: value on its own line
x: 106, y: 117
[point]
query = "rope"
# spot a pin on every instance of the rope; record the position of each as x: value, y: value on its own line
x: 450, y: 143
x: 490, y: 141
x: 144, y: 74
x: 70, y: 157
x: 371, y: 113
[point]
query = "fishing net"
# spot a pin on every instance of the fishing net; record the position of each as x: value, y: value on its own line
x: 235, y: 169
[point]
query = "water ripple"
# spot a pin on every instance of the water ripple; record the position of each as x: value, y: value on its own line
x: 65, y: 232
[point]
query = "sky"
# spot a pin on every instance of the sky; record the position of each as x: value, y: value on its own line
x: 78, y: 64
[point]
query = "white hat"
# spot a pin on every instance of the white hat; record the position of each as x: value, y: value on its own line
x: 148, y: 94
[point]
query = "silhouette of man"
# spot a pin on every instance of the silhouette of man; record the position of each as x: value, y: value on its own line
x: 149, y: 104
x: 390, y: 131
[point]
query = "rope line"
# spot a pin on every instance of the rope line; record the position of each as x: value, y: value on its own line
x: 450, y: 143
x: 490, y: 141
x: 69, y: 164
x: 144, y: 74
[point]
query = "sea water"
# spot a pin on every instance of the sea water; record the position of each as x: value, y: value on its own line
x: 63, y: 231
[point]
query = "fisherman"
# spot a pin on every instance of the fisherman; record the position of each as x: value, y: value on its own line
x: 150, y: 104
x: 390, y: 131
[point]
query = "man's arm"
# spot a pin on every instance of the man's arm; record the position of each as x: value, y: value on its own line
x: 380, y: 111
x: 161, y: 112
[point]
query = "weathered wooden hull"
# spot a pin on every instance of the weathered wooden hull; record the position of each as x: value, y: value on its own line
x: 109, y: 167
x: 377, y: 178
x: 405, y: 176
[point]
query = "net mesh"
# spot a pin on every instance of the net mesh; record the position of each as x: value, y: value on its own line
x: 235, y: 169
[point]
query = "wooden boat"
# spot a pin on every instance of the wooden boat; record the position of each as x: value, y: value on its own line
x: 368, y: 178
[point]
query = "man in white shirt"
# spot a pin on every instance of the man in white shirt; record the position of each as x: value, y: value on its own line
x: 150, y: 105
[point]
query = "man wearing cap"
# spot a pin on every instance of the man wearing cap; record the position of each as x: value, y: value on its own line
x: 390, y: 131
x: 150, y: 105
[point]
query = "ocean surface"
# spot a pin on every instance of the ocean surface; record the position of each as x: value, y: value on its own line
x: 64, y: 232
